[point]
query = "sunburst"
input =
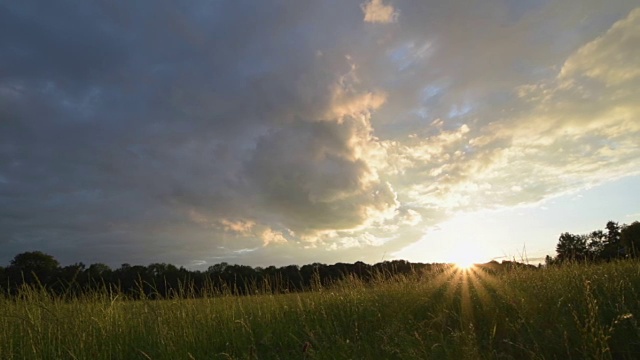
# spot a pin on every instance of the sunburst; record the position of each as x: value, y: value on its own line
x: 467, y: 288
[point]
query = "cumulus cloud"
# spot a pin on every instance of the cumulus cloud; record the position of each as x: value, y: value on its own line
x: 314, y: 175
x: 375, y: 11
x: 272, y: 237
x: 242, y: 227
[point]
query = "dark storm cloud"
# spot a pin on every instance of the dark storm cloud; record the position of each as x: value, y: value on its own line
x: 310, y: 175
x: 120, y: 121
x: 60, y: 42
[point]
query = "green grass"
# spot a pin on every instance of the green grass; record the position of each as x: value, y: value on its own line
x: 570, y: 312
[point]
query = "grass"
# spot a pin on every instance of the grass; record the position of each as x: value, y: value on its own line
x: 571, y: 312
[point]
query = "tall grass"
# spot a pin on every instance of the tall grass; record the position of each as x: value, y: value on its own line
x: 575, y: 311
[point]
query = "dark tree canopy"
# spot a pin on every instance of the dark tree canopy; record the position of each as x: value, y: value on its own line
x: 571, y: 247
x: 630, y: 238
x: 33, y: 265
x: 34, y: 261
x: 614, y: 242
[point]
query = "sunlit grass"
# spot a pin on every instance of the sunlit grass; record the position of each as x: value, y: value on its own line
x: 576, y: 311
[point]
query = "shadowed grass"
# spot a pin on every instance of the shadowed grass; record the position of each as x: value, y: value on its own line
x: 575, y: 311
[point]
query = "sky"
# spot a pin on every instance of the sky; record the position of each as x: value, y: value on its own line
x: 291, y: 132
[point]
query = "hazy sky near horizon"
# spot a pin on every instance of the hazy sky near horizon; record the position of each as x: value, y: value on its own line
x: 279, y: 132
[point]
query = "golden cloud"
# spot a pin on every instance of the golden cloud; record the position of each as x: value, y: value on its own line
x: 377, y: 12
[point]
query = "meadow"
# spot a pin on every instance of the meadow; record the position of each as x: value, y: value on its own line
x: 573, y: 311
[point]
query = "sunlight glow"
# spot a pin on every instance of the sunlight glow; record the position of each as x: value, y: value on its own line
x: 467, y: 251
x: 464, y: 265
x: 465, y: 239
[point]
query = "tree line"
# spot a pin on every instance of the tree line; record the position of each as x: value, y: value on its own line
x: 614, y: 242
x: 161, y: 280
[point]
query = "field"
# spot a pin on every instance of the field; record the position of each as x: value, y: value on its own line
x: 569, y: 312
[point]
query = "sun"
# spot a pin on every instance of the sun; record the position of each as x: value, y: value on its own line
x: 464, y: 264
x: 466, y: 256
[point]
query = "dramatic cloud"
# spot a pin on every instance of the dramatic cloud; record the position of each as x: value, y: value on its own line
x: 314, y: 174
x: 609, y: 58
x: 584, y: 125
x: 292, y: 132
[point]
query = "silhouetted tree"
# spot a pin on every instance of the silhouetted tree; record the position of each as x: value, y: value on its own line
x: 162, y: 269
x: 98, y: 270
x: 72, y: 271
x: 550, y: 261
x: 571, y: 247
x: 613, y: 247
x: 3, y: 277
x: 596, y: 243
x: 217, y: 268
x: 33, y: 266
x: 630, y: 239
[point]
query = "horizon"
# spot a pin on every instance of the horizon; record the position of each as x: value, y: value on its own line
x: 461, y: 266
x: 284, y: 133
